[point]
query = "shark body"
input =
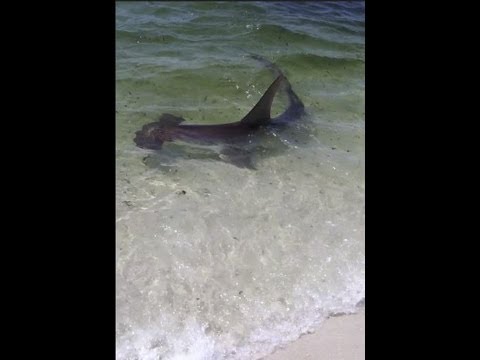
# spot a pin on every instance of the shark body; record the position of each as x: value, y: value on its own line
x: 231, y: 136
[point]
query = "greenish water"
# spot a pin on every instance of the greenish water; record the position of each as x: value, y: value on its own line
x: 216, y: 261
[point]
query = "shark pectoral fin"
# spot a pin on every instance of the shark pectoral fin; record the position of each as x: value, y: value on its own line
x: 237, y: 156
x: 170, y: 120
x: 260, y: 113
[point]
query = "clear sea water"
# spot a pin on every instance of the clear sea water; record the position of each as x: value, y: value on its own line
x: 216, y: 261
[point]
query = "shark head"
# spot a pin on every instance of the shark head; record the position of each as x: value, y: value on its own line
x: 153, y: 135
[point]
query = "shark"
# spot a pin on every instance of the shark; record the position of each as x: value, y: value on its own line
x: 232, y: 137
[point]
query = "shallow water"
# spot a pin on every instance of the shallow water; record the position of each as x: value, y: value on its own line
x: 216, y: 261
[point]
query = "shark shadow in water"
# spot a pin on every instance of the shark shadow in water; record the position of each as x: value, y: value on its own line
x: 235, y: 139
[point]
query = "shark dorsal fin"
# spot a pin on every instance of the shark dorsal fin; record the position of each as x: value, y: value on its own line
x: 261, y: 111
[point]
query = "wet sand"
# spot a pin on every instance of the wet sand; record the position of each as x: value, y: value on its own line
x: 338, y: 338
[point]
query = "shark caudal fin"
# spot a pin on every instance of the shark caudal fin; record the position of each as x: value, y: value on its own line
x: 296, y: 107
x: 260, y: 114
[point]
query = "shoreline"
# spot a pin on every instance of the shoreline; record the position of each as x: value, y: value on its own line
x: 338, y: 338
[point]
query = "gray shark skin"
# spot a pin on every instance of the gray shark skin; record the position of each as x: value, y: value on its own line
x: 231, y: 136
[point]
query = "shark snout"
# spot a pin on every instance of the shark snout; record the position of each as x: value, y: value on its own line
x: 147, y: 141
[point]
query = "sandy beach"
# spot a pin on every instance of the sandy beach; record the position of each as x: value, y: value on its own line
x: 338, y: 338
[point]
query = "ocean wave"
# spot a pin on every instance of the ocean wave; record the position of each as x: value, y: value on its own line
x: 299, y: 37
x: 313, y: 61
x: 150, y: 38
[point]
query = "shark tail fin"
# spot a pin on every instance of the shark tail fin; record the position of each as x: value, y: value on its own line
x: 267, y: 63
x: 293, y: 99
